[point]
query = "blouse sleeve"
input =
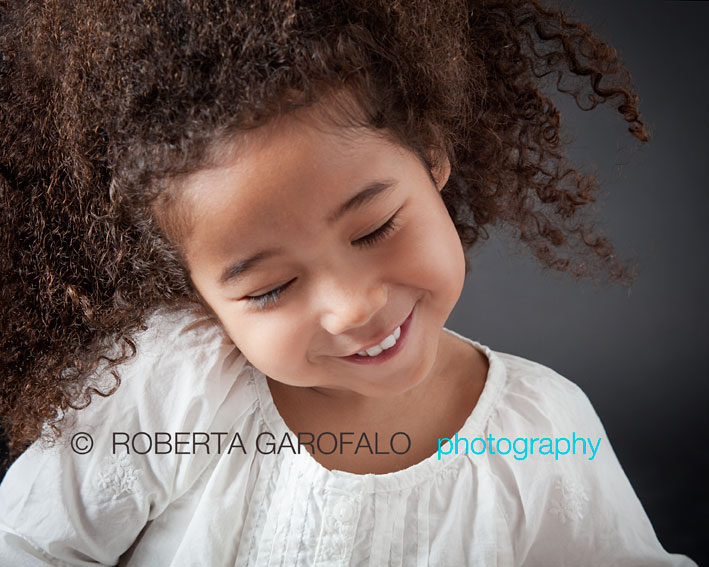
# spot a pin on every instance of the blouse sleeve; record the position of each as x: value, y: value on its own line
x: 85, y: 500
x: 577, y: 505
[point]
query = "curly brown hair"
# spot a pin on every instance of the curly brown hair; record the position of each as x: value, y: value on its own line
x: 106, y: 104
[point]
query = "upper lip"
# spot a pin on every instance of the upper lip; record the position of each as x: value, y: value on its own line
x: 380, y: 338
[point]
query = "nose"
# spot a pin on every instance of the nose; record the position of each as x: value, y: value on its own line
x: 350, y: 301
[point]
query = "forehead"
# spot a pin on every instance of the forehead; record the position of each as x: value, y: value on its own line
x: 291, y: 160
x: 293, y: 171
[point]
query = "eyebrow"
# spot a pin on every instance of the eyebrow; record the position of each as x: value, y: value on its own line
x: 236, y: 271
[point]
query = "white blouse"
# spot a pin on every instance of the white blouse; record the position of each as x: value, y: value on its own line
x: 200, y: 487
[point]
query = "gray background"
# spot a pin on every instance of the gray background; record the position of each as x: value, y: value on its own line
x: 638, y: 355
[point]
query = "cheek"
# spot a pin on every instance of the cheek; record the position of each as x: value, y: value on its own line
x: 455, y: 258
x: 436, y: 258
x: 270, y: 341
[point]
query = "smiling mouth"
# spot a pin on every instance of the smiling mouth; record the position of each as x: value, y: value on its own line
x: 387, y: 347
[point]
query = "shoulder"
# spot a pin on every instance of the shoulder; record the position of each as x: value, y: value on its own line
x: 518, y: 390
x: 185, y: 376
x: 185, y: 380
x: 132, y: 453
x: 564, y: 495
x: 524, y: 374
x: 543, y: 397
x: 184, y: 369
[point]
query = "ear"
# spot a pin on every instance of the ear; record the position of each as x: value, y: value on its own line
x: 442, y: 171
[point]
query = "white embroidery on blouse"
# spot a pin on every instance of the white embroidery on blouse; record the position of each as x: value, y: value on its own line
x: 118, y: 476
x: 570, y: 500
x: 335, y: 544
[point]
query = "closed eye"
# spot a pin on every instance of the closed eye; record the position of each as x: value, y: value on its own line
x: 270, y: 297
x: 379, y: 234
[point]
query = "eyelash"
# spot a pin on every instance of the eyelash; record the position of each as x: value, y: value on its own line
x: 379, y: 234
x: 271, y: 297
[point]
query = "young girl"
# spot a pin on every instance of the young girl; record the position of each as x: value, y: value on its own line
x: 231, y: 236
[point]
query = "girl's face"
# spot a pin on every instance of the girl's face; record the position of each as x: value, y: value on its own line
x: 316, y: 243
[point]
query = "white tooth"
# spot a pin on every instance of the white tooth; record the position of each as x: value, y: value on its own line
x: 375, y: 350
x: 389, y: 342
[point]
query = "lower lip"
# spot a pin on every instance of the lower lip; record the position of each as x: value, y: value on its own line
x: 388, y: 353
